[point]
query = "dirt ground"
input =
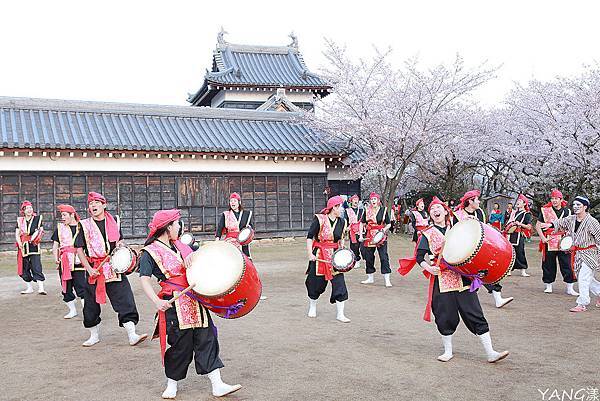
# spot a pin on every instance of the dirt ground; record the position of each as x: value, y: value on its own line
x: 387, y: 352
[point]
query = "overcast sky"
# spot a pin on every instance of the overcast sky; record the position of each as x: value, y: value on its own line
x: 157, y: 51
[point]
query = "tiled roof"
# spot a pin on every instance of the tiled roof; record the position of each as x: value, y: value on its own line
x: 27, y: 123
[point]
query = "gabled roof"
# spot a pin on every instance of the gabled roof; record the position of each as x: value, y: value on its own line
x: 30, y: 124
x: 246, y: 66
x: 278, y: 102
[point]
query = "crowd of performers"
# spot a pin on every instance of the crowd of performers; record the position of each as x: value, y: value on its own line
x: 81, y: 248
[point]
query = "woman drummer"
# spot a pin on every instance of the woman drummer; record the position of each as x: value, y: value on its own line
x: 187, y: 325
x: 324, y: 237
x: 233, y: 220
x: 449, y: 296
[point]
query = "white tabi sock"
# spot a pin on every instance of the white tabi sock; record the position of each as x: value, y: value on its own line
x: 312, y: 307
x: 134, y: 338
x: 171, y: 390
x: 571, y: 290
x: 72, y: 310
x: 492, y: 356
x: 41, y: 288
x: 386, y: 278
x: 447, y: 355
x: 219, y: 388
x: 524, y: 273
x: 29, y: 288
x: 548, y: 289
x: 94, y: 336
x: 500, y: 302
x: 369, y: 279
x: 340, y: 312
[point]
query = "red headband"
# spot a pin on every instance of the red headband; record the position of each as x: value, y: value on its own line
x: 235, y: 195
x: 162, y: 218
x: 469, y: 195
x: 374, y: 195
x: 24, y: 205
x: 95, y: 196
x: 353, y: 197
x: 556, y: 194
x: 332, y: 202
x: 420, y: 200
x: 68, y: 209
x: 525, y: 200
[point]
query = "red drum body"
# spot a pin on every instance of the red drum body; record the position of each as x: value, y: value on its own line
x: 224, y: 279
x: 474, y: 248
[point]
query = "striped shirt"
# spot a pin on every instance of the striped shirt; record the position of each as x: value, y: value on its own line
x: 588, y: 233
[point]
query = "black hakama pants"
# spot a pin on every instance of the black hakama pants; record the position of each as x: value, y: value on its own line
x: 369, y: 255
x: 32, y: 269
x: 521, y: 259
x: 449, y: 307
x: 316, y: 285
x: 355, y: 247
x: 549, y: 266
x: 76, y: 286
x: 493, y: 287
x: 200, y: 344
x: 121, y: 298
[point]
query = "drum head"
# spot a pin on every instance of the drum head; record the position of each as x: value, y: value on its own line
x: 343, y: 258
x: 566, y: 243
x: 216, y: 267
x: 462, y: 241
x: 121, y: 259
x: 187, y: 239
x: 245, y: 233
x: 378, y: 237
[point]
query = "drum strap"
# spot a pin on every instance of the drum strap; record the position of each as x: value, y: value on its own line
x: 99, y: 280
x: 65, y: 262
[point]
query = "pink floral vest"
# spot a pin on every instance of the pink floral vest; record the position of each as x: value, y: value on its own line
x: 97, y: 246
x: 66, y: 239
x: 189, y: 312
x: 447, y: 279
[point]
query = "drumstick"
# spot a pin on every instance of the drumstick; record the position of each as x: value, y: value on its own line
x: 176, y: 297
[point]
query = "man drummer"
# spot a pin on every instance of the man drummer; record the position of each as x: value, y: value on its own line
x: 70, y: 270
x: 354, y: 215
x: 521, y: 219
x: 469, y: 208
x: 186, y: 324
x: 585, y: 257
x: 98, y: 236
x: 28, y: 235
x: 550, y: 244
x: 325, y: 236
x: 449, y: 296
x: 376, y: 218
x: 418, y: 219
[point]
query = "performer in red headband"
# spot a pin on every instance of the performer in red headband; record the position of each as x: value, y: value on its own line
x: 325, y: 235
x: 449, y: 296
x: 28, y: 234
x: 354, y: 215
x: 98, y: 236
x: 419, y: 219
x: 550, y: 244
x: 70, y: 270
x: 374, y: 219
x: 186, y: 325
x: 521, y: 219
x: 468, y: 208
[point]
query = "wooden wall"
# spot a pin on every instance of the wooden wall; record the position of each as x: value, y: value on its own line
x: 283, y: 204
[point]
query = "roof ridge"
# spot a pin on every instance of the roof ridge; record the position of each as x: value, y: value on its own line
x: 242, y: 48
x: 62, y: 105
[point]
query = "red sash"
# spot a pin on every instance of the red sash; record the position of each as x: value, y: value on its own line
x: 354, y: 225
x: 325, y: 252
x: 65, y: 263
x: 166, y: 291
x: 24, y: 238
x: 99, y: 280
x: 574, y: 249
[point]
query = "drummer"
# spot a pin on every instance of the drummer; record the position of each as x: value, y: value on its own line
x: 188, y: 326
x: 232, y: 221
x: 325, y: 235
x: 70, y: 270
x: 354, y: 215
x: 585, y: 257
x: 550, y: 244
x: 469, y: 208
x: 521, y: 217
x: 374, y: 219
x: 449, y: 296
x: 98, y: 236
